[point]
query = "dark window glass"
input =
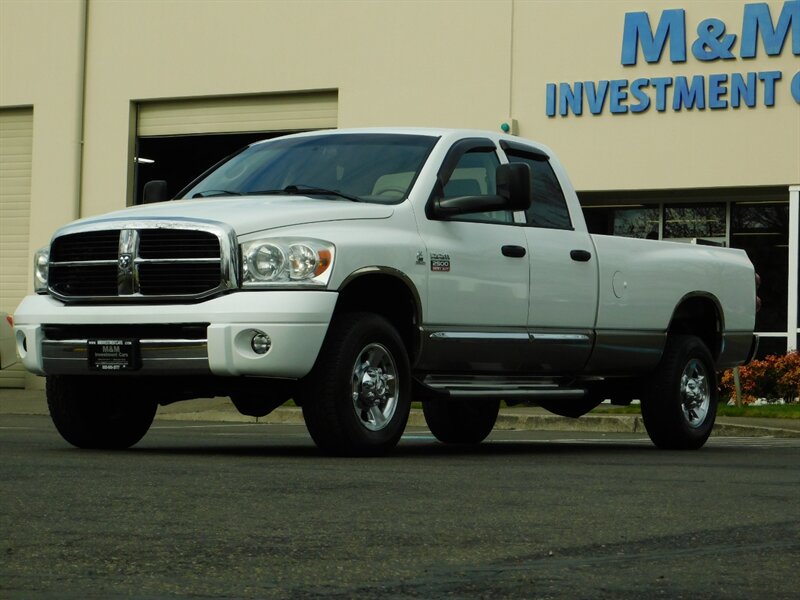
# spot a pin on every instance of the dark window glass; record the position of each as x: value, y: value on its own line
x: 762, y: 230
x: 599, y: 220
x: 374, y: 167
x: 635, y: 222
x: 771, y: 345
x: 760, y: 218
x: 548, y: 206
x: 475, y: 175
x: 697, y: 221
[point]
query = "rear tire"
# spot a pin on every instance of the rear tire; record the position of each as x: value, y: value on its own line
x: 357, y: 397
x: 680, y: 406
x: 460, y: 422
x: 90, y: 414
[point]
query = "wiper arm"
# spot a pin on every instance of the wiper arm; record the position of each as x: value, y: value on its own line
x: 212, y: 193
x: 305, y: 190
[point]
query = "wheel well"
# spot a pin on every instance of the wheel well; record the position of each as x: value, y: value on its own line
x: 386, y: 295
x: 699, y: 316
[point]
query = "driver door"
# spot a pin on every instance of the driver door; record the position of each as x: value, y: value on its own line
x: 478, y: 273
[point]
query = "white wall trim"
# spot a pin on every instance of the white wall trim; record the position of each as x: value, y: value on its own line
x: 794, y: 244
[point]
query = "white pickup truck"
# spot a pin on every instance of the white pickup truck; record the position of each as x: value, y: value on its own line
x: 356, y: 270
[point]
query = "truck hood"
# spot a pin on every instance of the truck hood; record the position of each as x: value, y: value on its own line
x: 246, y: 214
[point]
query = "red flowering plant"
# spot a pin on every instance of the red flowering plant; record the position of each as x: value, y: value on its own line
x: 771, y: 379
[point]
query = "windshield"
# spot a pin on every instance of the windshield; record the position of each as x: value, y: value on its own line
x: 368, y: 167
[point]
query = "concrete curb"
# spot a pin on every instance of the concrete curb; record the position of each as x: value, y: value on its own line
x: 29, y: 402
x: 727, y: 429
x: 505, y: 421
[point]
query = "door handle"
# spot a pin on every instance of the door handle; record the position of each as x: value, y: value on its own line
x: 514, y: 251
x: 580, y: 255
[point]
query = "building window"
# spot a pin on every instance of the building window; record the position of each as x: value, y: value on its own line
x: 699, y: 221
x: 762, y: 230
x: 634, y: 222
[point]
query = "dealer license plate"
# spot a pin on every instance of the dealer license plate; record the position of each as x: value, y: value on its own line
x: 113, y: 355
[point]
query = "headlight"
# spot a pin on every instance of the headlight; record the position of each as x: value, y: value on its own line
x: 286, y: 261
x: 41, y: 266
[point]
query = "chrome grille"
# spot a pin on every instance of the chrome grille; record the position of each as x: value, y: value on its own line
x: 146, y: 261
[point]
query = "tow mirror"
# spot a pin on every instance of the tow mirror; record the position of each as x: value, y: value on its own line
x: 155, y: 191
x: 514, y: 185
x: 513, y: 193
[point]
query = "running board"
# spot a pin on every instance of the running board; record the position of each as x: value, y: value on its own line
x: 497, y: 388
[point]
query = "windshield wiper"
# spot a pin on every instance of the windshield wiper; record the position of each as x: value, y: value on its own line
x: 306, y: 190
x: 211, y: 193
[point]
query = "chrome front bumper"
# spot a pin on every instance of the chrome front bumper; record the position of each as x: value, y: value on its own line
x: 295, y: 321
x: 167, y: 357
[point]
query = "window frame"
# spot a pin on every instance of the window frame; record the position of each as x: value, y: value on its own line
x: 535, y: 155
x: 450, y: 163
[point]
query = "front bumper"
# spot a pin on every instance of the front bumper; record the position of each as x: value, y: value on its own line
x: 295, y: 321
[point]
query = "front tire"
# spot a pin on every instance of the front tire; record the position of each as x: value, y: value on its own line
x: 460, y: 422
x: 357, y: 397
x: 680, y: 407
x: 88, y: 414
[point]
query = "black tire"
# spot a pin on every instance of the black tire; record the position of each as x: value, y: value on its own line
x: 357, y: 397
x: 680, y: 406
x: 460, y: 422
x: 92, y: 415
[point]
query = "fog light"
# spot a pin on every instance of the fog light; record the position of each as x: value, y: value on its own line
x: 260, y: 343
x: 22, y: 344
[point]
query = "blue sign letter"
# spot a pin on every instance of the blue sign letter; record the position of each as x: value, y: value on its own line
x: 743, y: 90
x: 757, y: 19
x: 640, y: 95
x: 716, y: 90
x: 637, y: 30
x: 769, y: 78
x: 689, y: 96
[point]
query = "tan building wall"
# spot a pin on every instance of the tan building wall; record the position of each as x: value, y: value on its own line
x: 581, y: 40
x: 40, y: 66
x: 461, y: 64
x: 392, y: 63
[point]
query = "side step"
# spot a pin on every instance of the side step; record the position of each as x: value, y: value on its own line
x: 518, y: 389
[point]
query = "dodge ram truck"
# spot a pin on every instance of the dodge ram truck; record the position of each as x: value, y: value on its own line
x: 355, y: 270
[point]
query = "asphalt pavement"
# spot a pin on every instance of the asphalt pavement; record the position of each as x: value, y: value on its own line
x: 33, y: 402
x: 253, y: 511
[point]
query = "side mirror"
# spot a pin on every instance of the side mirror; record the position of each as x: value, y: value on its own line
x: 155, y: 191
x: 513, y: 193
x: 514, y: 185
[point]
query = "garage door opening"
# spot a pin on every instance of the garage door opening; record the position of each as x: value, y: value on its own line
x: 179, y: 159
x: 177, y: 140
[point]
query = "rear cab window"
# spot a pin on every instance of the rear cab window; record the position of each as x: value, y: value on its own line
x: 548, y: 204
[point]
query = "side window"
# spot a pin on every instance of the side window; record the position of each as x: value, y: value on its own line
x: 548, y: 206
x: 474, y: 175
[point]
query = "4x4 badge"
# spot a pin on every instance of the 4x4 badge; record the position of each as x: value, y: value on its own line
x: 440, y: 262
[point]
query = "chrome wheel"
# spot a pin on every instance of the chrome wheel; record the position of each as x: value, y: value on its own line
x: 695, y: 393
x: 680, y: 401
x: 375, y: 391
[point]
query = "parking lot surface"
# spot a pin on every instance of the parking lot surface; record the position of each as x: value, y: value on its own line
x: 243, y: 510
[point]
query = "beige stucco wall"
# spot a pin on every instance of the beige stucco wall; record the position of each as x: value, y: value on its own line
x: 581, y: 40
x: 40, y: 66
x: 398, y: 63
x: 452, y: 63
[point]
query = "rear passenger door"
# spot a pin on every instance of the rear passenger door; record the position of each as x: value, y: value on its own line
x: 563, y: 272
